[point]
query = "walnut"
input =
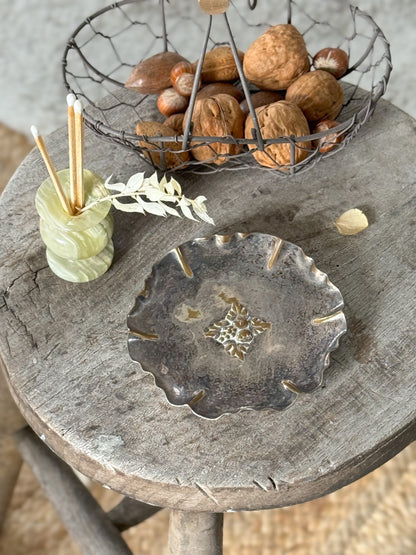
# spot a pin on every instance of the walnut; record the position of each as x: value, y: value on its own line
x: 277, y: 58
x: 173, y: 154
x: 175, y: 121
x: 318, y: 94
x: 219, y: 65
x: 276, y: 120
x: 220, y: 88
x: 261, y: 98
x: 216, y: 116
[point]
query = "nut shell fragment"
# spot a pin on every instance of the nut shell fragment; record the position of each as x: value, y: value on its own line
x: 351, y: 222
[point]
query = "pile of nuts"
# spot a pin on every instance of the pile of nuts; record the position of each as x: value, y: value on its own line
x: 292, y: 100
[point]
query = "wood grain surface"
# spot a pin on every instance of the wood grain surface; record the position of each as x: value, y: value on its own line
x: 64, y: 345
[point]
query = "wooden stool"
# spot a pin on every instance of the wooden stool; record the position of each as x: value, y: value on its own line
x: 68, y: 369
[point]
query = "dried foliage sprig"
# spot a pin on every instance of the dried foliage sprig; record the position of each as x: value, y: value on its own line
x: 149, y: 195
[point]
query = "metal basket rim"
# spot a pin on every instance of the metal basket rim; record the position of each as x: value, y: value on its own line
x: 102, y: 128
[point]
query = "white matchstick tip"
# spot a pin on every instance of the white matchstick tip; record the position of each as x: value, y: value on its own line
x: 77, y: 107
x: 70, y: 99
x: 34, y: 131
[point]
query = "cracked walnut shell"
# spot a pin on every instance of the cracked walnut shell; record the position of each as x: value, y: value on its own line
x: 216, y: 116
x: 277, y: 120
x: 277, y: 58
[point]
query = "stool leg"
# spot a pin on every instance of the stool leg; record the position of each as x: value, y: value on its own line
x: 83, y: 517
x: 195, y: 533
x: 10, y: 460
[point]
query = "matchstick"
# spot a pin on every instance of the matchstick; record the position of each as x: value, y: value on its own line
x: 51, y: 170
x: 70, y: 99
x: 79, y: 155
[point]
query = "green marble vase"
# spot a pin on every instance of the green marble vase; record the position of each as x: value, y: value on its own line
x: 78, y: 248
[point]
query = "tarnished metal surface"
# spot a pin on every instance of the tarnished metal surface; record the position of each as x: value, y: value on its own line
x: 254, y: 297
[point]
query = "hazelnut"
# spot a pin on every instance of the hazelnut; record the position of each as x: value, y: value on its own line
x: 171, y: 102
x: 173, y: 155
x: 152, y: 75
x: 277, y: 120
x: 217, y: 116
x: 219, y: 65
x: 318, y: 94
x: 277, y: 58
x: 182, y: 78
x: 261, y: 98
x: 333, y: 60
x: 220, y: 88
x: 329, y: 142
x: 175, y: 121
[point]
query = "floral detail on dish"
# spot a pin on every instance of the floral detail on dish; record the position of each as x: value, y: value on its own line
x: 237, y: 331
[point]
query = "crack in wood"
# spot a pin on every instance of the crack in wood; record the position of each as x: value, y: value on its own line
x: 273, y: 483
x: 21, y: 324
x: 48, y: 354
x: 207, y: 492
x: 260, y: 486
x: 5, y: 296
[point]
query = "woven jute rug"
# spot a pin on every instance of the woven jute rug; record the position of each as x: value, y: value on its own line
x: 376, y: 515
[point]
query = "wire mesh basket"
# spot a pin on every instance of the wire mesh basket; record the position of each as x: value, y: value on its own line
x: 104, y: 49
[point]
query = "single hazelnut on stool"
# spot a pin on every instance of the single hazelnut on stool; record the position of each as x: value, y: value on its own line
x: 182, y: 78
x: 329, y: 142
x: 171, y: 102
x: 333, y: 60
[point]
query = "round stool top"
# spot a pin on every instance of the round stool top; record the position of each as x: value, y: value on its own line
x: 65, y: 350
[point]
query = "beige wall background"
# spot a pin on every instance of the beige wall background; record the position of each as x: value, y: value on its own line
x: 33, y: 35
